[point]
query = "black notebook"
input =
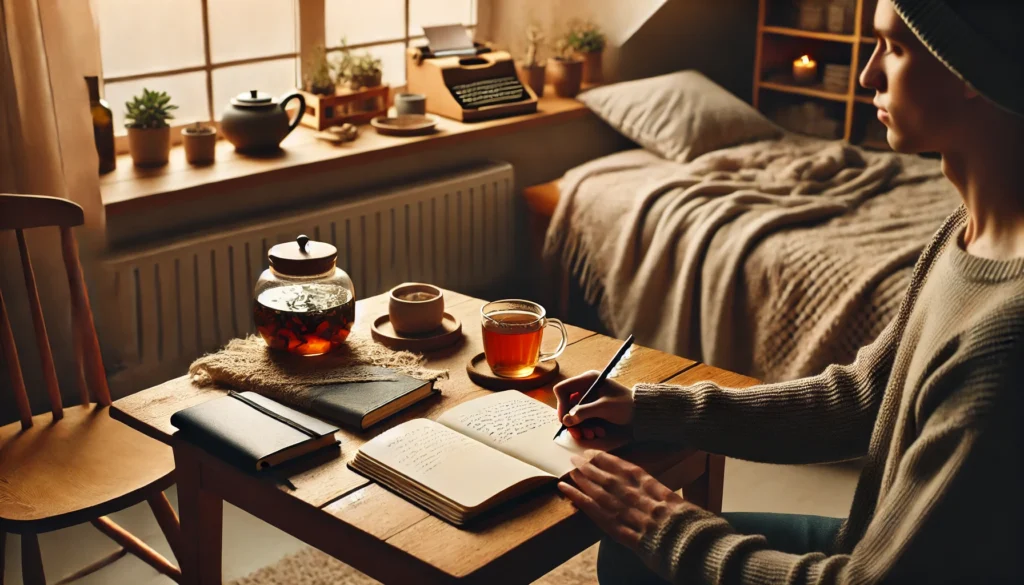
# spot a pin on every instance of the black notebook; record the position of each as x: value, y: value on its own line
x: 360, y: 405
x: 253, y: 431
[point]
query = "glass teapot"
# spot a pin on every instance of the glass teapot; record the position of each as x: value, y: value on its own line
x: 304, y: 304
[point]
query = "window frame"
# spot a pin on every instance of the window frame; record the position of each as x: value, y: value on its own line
x: 310, y: 34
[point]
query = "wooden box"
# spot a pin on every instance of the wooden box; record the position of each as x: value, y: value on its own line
x: 353, y: 107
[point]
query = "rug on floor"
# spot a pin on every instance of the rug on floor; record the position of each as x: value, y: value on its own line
x: 312, y: 567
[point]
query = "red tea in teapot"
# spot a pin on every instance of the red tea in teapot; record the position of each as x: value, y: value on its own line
x: 305, y: 319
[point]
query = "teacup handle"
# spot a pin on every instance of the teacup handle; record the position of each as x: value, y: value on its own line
x: 544, y: 357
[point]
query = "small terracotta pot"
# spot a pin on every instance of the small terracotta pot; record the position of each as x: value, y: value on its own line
x: 533, y: 76
x: 566, y: 75
x: 200, y: 147
x: 592, y: 72
x: 149, y: 147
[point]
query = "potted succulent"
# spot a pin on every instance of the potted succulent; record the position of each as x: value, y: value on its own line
x: 200, y: 143
x: 565, y: 70
x: 149, y: 136
x: 320, y: 81
x: 359, y: 71
x: 531, y: 70
x: 587, y: 41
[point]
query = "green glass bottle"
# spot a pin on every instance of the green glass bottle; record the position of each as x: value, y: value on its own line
x: 102, y: 126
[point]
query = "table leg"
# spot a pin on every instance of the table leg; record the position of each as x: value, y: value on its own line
x: 716, y: 482
x: 202, y: 516
x: 706, y: 491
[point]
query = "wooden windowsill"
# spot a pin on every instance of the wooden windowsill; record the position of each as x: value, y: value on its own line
x: 129, y: 189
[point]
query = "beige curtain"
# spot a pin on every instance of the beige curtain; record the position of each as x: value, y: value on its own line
x: 47, y: 148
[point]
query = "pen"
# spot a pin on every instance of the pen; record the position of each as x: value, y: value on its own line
x: 600, y: 379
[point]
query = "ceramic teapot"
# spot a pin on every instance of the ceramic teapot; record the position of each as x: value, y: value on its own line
x: 255, y: 122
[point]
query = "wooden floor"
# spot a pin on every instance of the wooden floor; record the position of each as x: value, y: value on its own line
x: 250, y: 544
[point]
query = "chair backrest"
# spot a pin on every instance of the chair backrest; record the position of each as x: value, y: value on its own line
x: 21, y: 212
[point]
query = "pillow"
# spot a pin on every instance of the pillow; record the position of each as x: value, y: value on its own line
x: 678, y: 116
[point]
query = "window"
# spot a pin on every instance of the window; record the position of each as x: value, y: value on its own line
x: 204, y: 52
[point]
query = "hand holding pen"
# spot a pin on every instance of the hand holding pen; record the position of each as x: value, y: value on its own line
x: 588, y: 401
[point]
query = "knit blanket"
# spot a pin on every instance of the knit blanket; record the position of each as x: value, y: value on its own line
x: 774, y: 258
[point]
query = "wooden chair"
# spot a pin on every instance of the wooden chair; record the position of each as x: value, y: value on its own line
x: 73, y: 464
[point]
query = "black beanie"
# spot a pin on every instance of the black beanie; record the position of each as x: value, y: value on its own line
x: 982, y: 41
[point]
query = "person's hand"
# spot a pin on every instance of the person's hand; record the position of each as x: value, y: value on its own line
x: 622, y: 499
x: 614, y: 405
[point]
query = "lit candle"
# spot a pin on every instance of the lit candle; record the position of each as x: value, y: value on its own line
x: 805, y: 70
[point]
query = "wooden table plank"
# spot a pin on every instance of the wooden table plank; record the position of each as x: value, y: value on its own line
x: 706, y: 373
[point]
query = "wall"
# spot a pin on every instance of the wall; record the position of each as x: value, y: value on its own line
x: 646, y: 37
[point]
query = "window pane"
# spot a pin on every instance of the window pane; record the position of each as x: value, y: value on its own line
x: 187, y: 91
x: 243, y: 29
x: 363, y: 21
x: 392, y: 57
x: 274, y: 77
x: 147, y: 36
x: 433, y: 12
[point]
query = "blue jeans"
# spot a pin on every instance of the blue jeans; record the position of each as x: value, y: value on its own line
x: 791, y: 533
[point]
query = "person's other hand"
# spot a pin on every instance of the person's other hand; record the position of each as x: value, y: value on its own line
x: 614, y: 405
x: 622, y: 499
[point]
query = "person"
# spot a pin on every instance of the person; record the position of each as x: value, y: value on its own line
x: 934, y: 404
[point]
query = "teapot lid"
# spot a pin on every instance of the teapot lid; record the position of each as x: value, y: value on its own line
x: 303, y: 257
x: 252, y: 98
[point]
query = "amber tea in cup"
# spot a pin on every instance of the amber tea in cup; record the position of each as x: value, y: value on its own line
x: 513, y: 331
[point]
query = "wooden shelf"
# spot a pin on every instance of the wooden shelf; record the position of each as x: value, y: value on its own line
x: 809, y: 34
x: 802, y: 90
x: 778, y: 46
x: 128, y: 188
x: 865, y: 99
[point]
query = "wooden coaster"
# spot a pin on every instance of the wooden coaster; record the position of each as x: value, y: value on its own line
x: 448, y: 333
x: 481, y: 374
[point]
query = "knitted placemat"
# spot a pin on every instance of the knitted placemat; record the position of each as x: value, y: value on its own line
x: 248, y: 364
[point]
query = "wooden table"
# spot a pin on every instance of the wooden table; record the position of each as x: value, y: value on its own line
x: 329, y: 506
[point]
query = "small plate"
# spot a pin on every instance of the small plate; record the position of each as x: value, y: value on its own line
x: 448, y: 333
x: 407, y: 125
x: 481, y: 374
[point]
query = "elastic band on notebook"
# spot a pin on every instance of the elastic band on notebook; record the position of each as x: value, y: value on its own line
x: 274, y: 415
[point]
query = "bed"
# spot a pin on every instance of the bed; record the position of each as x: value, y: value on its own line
x: 728, y: 240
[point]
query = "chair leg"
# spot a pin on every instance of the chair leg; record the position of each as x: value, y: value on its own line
x: 167, y: 519
x: 31, y: 561
x: 137, y: 547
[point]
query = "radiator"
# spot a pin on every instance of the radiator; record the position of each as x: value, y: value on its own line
x: 177, y: 301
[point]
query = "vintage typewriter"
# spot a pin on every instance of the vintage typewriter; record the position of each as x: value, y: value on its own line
x: 465, y: 80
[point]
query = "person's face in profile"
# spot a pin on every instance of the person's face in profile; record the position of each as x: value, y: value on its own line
x: 918, y: 98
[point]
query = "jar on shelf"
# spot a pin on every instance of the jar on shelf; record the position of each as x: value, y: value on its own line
x: 304, y: 304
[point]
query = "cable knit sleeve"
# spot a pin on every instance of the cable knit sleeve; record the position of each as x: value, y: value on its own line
x: 951, y: 512
x: 828, y: 417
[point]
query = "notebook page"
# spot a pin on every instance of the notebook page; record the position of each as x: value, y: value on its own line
x: 463, y: 470
x: 516, y: 424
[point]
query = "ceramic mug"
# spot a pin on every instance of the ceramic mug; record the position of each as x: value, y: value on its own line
x: 410, y: 103
x: 416, y: 308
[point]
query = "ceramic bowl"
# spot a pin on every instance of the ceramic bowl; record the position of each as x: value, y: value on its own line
x: 416, y: 308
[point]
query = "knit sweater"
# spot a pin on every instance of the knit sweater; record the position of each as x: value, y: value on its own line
x: 934, y: 404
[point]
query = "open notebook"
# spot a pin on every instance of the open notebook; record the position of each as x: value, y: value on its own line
x: 475, y: 456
